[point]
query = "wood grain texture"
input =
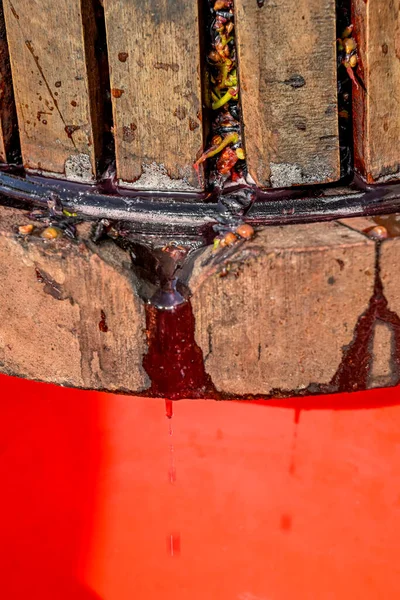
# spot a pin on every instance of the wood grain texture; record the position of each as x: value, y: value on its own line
x: 383, y: 340
x: 154, y: 61
x: 376, y: 113
x: 382, y: 371
x: 277, y: 313
x: 56, y: 295
x: 54, y: 74
x: 287, y: 61
x: 390, y: 252
x: 8, y: 117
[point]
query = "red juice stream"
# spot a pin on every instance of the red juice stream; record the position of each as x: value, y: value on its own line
x: 173, y: 539
x: 174, y: 361
x: 172, y: 469
x: 292, y: 465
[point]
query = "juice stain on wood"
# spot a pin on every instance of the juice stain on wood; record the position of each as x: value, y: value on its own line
x: 352, y: 374
x: 174, y: 361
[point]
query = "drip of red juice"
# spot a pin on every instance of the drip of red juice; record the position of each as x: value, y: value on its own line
x: 174, y: 361
x: 169, y: 409
x: 174, y: 544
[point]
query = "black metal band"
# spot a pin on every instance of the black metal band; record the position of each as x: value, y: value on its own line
x: 183, y: 214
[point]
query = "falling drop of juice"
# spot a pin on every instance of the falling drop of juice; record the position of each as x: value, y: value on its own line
x: 292, y: 466
x: 169, y: 409
x: 172, y: 474
x: 171, y: 470
x: 174, y: 544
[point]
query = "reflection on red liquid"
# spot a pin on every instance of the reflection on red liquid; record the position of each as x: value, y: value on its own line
x: 174, y: 544
x: 263, y: 508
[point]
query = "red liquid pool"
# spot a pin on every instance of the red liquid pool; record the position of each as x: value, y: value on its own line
x: 268, y: 500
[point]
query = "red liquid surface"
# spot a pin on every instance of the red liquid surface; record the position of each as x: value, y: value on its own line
x: 290, y: 499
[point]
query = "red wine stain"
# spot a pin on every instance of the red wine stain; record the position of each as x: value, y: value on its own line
x: 39, y: 276
x: 175, y: 364
x: 116, y: 93
x: 103, y: 323
x: 352, y: 374
x: 70, y: 130
x: 174, y: 361
x: 122, y: 56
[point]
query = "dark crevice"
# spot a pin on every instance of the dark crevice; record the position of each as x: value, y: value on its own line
x: 224, y: 160
x: 343, y: 20
x: 8, y: 117
x: 107, y: 160
x: 99, y: 82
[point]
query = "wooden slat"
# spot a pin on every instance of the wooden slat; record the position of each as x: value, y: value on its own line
x: 288, y: 74
x: 278, y: 313
x: 69, y: 313
x: 376, y: 113
x: 295, y: 309
x: 156, y: 91
x: 52, y: 75
x: 8, y: 117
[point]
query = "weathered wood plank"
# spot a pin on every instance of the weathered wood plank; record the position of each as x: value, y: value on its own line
x: 156, y: 91
x: 376, y: 113
x: 295, y: 309
x: 383, y: 341
x: 68, y: 315
x: 8, y: 117
x: 287, y: 60
x: 54, y: 74
x: 277, y: 313
x: 382, y: 364
x: 390, y: 253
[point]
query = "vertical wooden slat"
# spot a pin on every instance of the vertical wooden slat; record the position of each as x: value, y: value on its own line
x: 8, y: 117
x: 376, y: 112
x: 154, y: 60
x: 288, y: 75
x: 53, y: 77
